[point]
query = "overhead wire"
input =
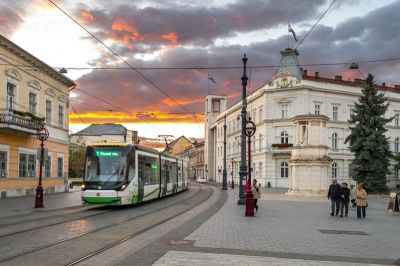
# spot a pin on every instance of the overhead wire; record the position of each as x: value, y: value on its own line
x: 120, y: 108
x: 315, y: 24
x: 211, y: 67
x: 123, y: 60
x: 72, y: 106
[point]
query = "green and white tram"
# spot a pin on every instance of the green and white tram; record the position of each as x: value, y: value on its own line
x: 120, y: 174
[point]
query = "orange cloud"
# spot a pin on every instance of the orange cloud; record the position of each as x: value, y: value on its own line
x: 87, y: 17
x: 115, y: 117
x: 170, y: 102
x: 122, y: 25
x: 172, y: 37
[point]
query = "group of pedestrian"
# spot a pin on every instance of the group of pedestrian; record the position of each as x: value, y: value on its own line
x: 341, y: 195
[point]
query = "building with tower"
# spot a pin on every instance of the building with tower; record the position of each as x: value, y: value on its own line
x: 302, y: 123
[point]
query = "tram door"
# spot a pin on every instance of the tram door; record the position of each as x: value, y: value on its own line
x: 174, y: 176
x: 164, y: 176
x: 180, y: 174
x: 140, y: 178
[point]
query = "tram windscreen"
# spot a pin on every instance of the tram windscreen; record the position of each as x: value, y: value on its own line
x: 106, y: 167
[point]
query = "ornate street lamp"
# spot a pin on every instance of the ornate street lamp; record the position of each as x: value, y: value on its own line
x: 232, y: 183
x: 250, y: 130
x: 224, y: 177
x: 42, y: 134
x: 243, y: 167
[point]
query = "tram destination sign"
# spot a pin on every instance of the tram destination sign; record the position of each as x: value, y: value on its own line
x: 108, y: 153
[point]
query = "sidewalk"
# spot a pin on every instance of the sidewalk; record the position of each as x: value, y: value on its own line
x: 291, y: 232
x: 14, y: 206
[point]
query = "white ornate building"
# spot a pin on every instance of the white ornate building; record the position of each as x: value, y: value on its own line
x: 273, y: 106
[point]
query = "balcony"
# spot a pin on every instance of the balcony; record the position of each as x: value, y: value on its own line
x: 281, y: 148
x: 22, y: 123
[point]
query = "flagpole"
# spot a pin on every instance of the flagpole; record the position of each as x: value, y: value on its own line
x: 208, y: 86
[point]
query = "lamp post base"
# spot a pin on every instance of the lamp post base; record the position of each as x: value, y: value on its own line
x: 241, y: 201
x: 232, y: 185
x: 39, y: 197
x: 249, y: 204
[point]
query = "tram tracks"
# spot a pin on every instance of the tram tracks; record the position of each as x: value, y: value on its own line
x: 149, y: 218
x: 132, y: 235
x: 45, y: 223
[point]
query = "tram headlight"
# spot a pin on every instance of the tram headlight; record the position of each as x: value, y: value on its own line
x: 122, y: 187
x: 83, y: 187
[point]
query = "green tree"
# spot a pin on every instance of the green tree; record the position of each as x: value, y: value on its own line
x: 76, y: 158
x: 367, y: 138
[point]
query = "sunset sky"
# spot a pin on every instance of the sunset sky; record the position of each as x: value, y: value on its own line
x: 188, y: 34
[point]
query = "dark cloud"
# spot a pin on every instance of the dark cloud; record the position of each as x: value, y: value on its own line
x: 374, y: 36
x: 147, y: 28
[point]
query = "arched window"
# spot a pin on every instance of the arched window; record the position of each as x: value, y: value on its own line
x: 260, y: 170
x: 260, y: 142
x: 334, y: 141
x: 396, y: 144
x: 229, y: 149
x: 284, y: 170
x: 284, y: 137
x: 334, y: 170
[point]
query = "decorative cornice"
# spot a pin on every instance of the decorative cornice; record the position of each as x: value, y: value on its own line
x: 51, y: 92
x: 12, y: 72
x: 62, y: 98
x: 34, y: 84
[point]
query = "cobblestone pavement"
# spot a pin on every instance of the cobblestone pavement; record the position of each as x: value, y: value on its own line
x: 27, y: 240
x: 16, y: 206
x: 123, y: 253
x: 145, y: 216
x: 181, y: 258
x: 288, y: 228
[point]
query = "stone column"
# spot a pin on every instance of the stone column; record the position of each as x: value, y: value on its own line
x: 309, y: 161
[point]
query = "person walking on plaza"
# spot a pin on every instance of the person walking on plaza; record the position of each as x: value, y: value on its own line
x: 361, y: 199
x: 333, y: 195
x: 256, y: 193
x: 344, y: 194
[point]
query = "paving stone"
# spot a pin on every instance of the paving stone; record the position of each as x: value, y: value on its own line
x: 292, y: 226
x: 175, y: 258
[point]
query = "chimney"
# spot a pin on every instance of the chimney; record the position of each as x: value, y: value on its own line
x: 316, y: 74
x: 383, y: 84
x: 338, y: 77
x: 305, y: 72
x: 397, y: 87
x: 357, y: 80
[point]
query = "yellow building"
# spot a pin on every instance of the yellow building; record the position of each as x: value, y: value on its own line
x: 31, y: 91
x: 179, y: 145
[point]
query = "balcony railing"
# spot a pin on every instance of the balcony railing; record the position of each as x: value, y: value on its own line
x: 281, y: 148
x: 21, y: 119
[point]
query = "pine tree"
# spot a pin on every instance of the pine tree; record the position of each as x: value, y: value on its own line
x: 367, y: 138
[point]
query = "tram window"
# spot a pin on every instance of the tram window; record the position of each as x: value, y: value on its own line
x: 148, y: 169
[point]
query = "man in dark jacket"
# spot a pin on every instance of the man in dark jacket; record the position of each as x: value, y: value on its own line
x: 344, y: 194
x: 333, y: 195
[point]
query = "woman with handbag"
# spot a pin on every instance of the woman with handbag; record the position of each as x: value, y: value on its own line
x: 361, y: 198
x: 256, y: 193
